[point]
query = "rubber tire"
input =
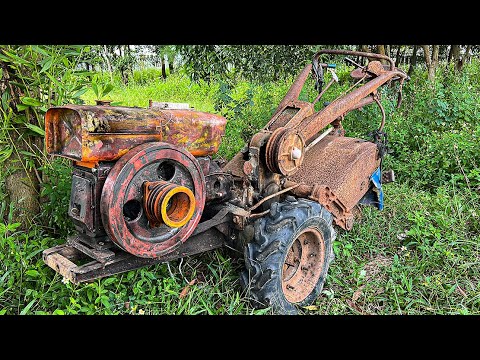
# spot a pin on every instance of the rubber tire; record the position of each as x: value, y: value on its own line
x: 265, y: 255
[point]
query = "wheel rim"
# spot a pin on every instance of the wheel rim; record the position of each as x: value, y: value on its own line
x: 303, y: 265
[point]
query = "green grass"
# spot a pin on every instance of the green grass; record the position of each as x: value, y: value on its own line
x: 420, y: 255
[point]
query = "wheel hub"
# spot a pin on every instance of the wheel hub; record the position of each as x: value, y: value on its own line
x: 303, y: 265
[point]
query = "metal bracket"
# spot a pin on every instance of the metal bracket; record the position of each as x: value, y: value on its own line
x: 79, y: 263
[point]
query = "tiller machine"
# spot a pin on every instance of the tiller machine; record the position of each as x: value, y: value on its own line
x: 146, y: 190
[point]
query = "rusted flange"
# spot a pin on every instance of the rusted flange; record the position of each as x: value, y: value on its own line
x: 122, y: 205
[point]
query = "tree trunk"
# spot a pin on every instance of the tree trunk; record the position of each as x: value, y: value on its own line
x: 170, y: 63
x: 467, y: 55
x: 402, y: 55
x: 413, y: 60
x: 459, y: 60
x: 23, y: 188
x: 432, y: 61
x: 107, y: 61
x: 397, y: 57
x: 164, y: 73
x: 21, y: 185
x: 381, y: 51
x: 454, y: 54
x: 364, y: 49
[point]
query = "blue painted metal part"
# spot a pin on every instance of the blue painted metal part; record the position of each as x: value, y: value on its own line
x: 374, y: 196
x: 376, y: 179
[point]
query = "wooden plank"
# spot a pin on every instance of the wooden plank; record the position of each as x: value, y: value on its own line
x: 61, y: 265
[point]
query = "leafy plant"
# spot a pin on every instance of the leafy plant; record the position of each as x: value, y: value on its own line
x: 99, y: 88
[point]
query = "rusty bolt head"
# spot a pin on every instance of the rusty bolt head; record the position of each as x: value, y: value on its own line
x: 296, y: 153
x: 247, y: 168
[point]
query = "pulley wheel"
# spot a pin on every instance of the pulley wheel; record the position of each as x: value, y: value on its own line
x: 154, y: 225
x: 285, y: 151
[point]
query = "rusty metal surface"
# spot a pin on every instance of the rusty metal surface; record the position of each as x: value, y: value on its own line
x: 291, y: 115
x: 235, y: 166
x: 293, y: 93
x: 312, y: 124
x: 84, y: 210
x: 218, y: 187
x: 198, y: 132
x: 343, y: 216
x: 102, y: 250
x: 122, y: 199
x: 303, y: 265
x: 284, y: 152
x: 341, y: 164
x: 64, y: 258
x: 269, y: 156
x: 105, y: 133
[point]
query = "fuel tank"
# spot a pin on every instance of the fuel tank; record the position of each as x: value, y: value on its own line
x: 93, y: 133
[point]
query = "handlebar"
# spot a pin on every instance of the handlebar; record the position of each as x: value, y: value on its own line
x: 354, y: 53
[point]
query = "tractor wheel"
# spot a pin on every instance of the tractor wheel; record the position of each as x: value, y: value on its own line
x: 288, y: 259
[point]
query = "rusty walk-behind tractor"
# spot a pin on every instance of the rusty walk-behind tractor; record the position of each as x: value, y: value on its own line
x: 146, y: 190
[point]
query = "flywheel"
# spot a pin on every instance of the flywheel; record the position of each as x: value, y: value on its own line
x: 153, y: 199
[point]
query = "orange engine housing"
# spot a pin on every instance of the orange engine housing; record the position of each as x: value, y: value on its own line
x: 89, y: 134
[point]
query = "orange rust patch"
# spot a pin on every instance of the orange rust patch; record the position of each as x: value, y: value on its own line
x: 105, y: 133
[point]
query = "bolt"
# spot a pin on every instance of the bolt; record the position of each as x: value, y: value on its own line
x: 101, y: 243
x: 236, y: 220
x: 306, y: 242
x: 296, y: 153
x: 313, y: 255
